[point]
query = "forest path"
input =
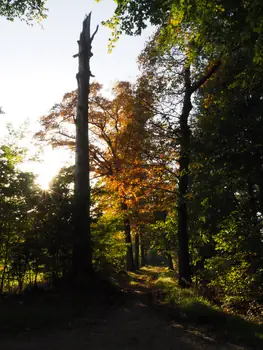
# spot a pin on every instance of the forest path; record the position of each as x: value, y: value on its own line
x: 137, y: 323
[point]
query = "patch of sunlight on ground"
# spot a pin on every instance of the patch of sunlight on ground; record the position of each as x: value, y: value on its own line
x: 165, y: 280
x: 155, y: 269
x: 133, y: 283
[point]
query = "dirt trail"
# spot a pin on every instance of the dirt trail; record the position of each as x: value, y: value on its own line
x: 134, y: 324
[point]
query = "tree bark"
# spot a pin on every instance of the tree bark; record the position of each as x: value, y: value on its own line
x: 5, y: 262
x: 184, y: 161
x: 3, y: 278
x: 183, y: 240
x: 170, y: 261
x: 256, y: 236
x: 261, y: 190
x: 137, y: 251
x: 143, y: 253
x: 82, y: 250
x: 127, y: 230
x: 252, y: 200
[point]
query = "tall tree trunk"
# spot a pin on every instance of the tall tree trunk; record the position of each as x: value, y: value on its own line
x: 5, y: 261
x: 143, y: 253
x: 137, y: 251
x: 35, y: 279
x: 3, y: 278
x: 184, y: 161
x: 128, y: 240
x: 256, y: 236
x: 183, y: 240
x: 252, y: 200
x: 82, y: 250
x: 261, y: 190
x: 170, y: 261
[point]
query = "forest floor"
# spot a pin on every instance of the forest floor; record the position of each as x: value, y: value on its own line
x: 139, y: 317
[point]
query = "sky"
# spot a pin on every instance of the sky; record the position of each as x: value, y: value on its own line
x: 37, y: 67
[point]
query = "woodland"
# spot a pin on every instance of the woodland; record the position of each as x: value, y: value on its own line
x: 173, y: 164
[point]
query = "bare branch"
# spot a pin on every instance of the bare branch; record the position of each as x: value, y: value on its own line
x: 205, y: 77
x: 93, y: 35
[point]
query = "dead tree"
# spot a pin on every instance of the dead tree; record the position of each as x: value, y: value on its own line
x: 82, y: 248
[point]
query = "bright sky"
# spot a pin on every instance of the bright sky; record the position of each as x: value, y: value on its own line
x: 37, y: 67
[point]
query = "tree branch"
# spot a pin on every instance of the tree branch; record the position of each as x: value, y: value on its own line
x: 205, y: 77
x: 92, y: 37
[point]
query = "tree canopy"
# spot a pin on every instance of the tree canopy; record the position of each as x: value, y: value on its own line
x: 23, y: 9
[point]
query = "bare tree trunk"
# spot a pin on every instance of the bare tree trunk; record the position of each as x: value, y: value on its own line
x: 170, y: 261
x: 20, y: 284
x: 5, y: 262
x: 261, y: 190
x: 256, y: 235
x: 130, y: 260
x: 35, y: 279
x: 3, y: 278
x: 137, y: 251
x: 143, y: 254
x: 82, y: 250
x: 252, y: 200
x: 128, y: 240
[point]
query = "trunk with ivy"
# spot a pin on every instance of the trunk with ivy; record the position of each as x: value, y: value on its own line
x: 183, y: 254
x: 184, y: 161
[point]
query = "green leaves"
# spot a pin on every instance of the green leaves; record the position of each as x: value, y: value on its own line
x: 24, y: 10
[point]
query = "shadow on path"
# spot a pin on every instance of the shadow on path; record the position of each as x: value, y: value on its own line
x: 138, y: 321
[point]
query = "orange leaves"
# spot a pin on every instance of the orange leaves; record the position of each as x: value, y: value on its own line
x: 130, y: 168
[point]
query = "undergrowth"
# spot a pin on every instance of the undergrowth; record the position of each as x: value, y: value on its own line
x: 192, y: 308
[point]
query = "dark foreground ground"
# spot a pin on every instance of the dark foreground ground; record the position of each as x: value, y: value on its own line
x: 134, y: 318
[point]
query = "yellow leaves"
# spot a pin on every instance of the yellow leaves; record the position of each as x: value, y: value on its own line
x: 208, y: 101
x: 219, y: 8
x: 176, y: 19
x: 118, y: 235
x: 173, y: 21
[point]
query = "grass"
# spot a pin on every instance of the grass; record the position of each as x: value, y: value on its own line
x: 192, y: 309
x: 185, y: 306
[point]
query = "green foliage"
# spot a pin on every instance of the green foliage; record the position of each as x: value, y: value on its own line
x: 15, y: 188
x: 162, y: 235
x: 109, y: 242
x: 207, y: 28
x: 192, y: 308
x: 23, y: 9
x: 227, y: 206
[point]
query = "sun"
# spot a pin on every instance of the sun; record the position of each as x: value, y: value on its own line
x: 51, y: 162
x: 44, y: 180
